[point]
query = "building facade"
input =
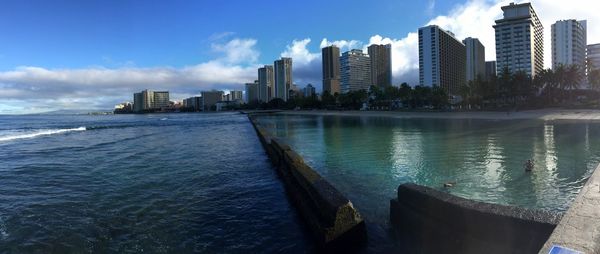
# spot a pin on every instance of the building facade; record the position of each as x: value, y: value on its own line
x: 236, y: 95
x: 569, y: 43
x: 475, y: 59
x: 355, y: 71
x: 266, y: 83
x: 593, y: 55
x: 161, y: 99
x: 252, y: 92
x: 490, y: 70
x: 442, y: 59
x: 331, y: 69
x: 283, y: 77
x: 309, y: 91
x: 210, y: 99
x: 520, y: 40
x: 149, y: 100
x: 193, y: 103
x: 381, y: 64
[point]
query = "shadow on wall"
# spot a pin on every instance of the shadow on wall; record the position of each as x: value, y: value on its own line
x: 426, y: 220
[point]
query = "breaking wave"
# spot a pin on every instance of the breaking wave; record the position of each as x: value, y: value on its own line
x: 37, y: 133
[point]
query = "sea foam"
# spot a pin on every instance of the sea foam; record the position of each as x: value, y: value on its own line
x: 37, y: 133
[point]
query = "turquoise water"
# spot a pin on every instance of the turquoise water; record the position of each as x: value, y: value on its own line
x: 367, y: 158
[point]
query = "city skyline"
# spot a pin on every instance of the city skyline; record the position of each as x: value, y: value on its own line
x: 28, y: 84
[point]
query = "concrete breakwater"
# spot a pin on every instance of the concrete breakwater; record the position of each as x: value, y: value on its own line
x: 431, y: 221
x: 330, y: 216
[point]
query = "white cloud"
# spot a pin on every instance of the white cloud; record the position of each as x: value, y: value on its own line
x: 344, y: 45
x: 36, y: 88
x: 237, y: 51
x: 430, y: 7
x: 306, y: 66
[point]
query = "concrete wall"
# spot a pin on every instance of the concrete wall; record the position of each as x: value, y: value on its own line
x: 334, y: 222
x: 579, y: 229
x: 430, y: 221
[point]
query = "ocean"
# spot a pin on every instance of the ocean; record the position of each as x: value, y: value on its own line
x: 163, y: 183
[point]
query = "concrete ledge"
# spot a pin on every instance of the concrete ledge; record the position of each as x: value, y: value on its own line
x: 335, y: 223
x: 430, y: 221
x: 579, y: 229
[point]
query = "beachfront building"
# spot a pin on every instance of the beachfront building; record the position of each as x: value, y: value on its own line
x: 194, y: 103
x: 252, y: 92
x: 381, y: 64
x: 266, y: 83
x: 236, y: 95
x: 161, y: 100
x: 150, y: 100
x: 309, y: 91
x: 569, y: 42
x: 210, y: 99
x: 520, y: 40
x: 490, y: 70
x: 355, y: 71
x: 593, y: 55
x: 442, y: 59
x: 283, y: 77
x: 331, y: 69
x: 475, y: 59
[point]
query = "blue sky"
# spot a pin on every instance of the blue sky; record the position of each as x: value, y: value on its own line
x: 74, y: 34
x: 94, y: 54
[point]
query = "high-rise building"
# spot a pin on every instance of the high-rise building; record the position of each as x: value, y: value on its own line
x: 475, y: 59
x: 236, y: 95
x: 381, y: 64
x: 569, y: 42
x: 193, y: 103
x: 331, y: 69
x: 520, y: 40
x: 143, y: 100
x: 161, y: 99
x: 309, y: 90
x: 266, y: 83
x: 442, y: 59
x: 252, y: 92
x: 355, y: 71
x: 283, y: 77
x: 593, y: 55
x: 490, y: 70
x: 210, y: 99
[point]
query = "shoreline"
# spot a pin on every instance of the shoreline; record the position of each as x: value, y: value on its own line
x: 540, y: 114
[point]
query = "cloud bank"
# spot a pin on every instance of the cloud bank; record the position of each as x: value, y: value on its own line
x: 32, y: 89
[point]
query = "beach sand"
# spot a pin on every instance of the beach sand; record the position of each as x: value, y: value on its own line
x: 542, y: 114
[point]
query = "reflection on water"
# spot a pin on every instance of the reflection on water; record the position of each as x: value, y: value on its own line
x: 368, y: 157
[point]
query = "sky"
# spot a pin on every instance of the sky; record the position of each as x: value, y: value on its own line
x: 70, y: 54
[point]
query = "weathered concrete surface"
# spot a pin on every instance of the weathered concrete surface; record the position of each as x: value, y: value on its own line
x: 580, y: 227
x: 430, y: 221
x: 335, y: 223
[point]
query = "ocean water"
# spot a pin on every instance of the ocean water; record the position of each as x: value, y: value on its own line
x: 367, y: 158
x: 165, y: 183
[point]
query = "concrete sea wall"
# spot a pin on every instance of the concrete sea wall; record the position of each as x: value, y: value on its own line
x: 430, y: 221
x: 579, y: 230
x: 330, y: 216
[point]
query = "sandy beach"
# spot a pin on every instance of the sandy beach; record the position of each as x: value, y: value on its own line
x: 542, y: 114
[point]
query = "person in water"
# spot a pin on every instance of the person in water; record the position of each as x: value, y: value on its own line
x: 528, y: 165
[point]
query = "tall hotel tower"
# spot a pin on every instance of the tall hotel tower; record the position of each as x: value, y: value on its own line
x: 266, y: 83
x: 331, y: 69
x: 381, y: 64
x: 355, y: 71
x: 475, y: 59
x: 283, y: 78
x: 519, y: 40
x: 442, y: 59
x: 569, y: 42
